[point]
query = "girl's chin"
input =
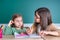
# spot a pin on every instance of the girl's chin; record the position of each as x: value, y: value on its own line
x: 36, y: 22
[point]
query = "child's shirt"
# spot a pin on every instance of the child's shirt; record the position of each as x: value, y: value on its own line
x: 12, y: 30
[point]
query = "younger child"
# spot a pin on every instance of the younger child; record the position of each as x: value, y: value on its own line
x: 15, y: 26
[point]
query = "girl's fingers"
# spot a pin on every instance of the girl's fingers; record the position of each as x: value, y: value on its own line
x: 45, y: 32
x: 42, y: 33
x: 28, y: 31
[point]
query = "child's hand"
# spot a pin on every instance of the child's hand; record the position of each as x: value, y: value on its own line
x: 11, y: 22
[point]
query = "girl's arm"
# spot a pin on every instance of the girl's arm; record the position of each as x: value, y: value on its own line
x: 52, y: 30
x: 33, y: 29
x: 52, y: 33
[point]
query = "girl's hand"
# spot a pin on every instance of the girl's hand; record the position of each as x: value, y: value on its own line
x: 43, y: 33
x: 11, y: 22
x: 28, y: 31
x: 53, y: 33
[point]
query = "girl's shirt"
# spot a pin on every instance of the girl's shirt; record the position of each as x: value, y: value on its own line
x: 49, y: 28
x: 12, y: 30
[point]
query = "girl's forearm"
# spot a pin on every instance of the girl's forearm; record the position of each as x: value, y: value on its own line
x: 53, y: 33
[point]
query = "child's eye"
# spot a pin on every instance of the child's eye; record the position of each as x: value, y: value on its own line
x: 21, y: 20
x: 17, y: 21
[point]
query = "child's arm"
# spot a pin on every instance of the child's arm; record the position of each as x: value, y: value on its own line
x: 7, y: 31
x: 10, y: 23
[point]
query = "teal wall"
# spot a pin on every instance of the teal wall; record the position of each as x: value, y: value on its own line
x: 27, y: 8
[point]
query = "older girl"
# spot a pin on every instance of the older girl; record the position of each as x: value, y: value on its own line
x: 43, y: 23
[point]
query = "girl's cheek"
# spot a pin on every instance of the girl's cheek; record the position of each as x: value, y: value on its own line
x: 37, y: 20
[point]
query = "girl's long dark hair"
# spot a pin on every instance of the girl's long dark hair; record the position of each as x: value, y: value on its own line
x: 45, y: 17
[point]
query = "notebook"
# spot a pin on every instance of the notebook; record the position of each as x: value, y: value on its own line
x: 26, y: 36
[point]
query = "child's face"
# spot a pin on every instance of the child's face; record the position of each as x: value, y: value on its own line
x: 37, y: 18
x: 18, y: 22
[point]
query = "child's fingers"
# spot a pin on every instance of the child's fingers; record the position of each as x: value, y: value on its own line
x: 10, y: 22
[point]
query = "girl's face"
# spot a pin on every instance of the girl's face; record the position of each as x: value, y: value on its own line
x: 18, y: 22
x: 37, y: 18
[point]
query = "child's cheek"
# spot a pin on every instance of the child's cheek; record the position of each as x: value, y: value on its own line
x: 21, y: 23
x: 16, y: 24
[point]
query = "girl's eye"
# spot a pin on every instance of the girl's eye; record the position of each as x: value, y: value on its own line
x: 37, y: 17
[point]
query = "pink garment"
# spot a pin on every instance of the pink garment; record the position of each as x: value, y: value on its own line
x: 22, y: 34
x: 0, y: 33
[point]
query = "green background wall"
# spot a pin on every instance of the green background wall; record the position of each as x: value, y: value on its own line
x: 27, y: 8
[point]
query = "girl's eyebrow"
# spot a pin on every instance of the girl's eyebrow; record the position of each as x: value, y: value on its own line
x: 37, y: 16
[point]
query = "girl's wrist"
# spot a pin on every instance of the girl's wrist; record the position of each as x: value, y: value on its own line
x: 47, y: 32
